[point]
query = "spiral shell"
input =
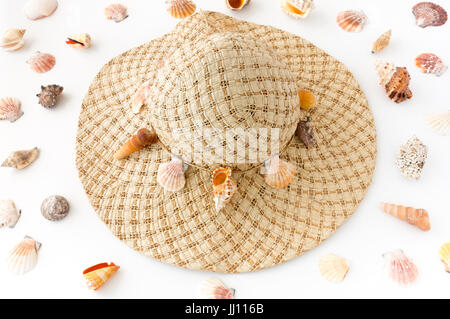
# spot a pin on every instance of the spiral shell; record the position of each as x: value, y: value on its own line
x: 97, y: 275
x: 38, y: 9
x: 21, y: 159
x: 79, y: 41
x: 24, y: 256
x: 141, y: 96
x: 9, y: 214
x: 400, y: 268
x: 180, y: 8
x: 12, y: 39
x: 171, y: 175
x: 439, y: 122
x: 224, y: 187
x: 55, y: 208
x: 382, y: 42
x: 414, y: 216
x: 214, y: 288
x: 429, y: 14
x: 116, y: 12
x: 411, y: 158
x: 41, y: 62
x: 351, y: 20
x: 444, y: 256
x: 430, y: 63
x: 395, y: 81
x: 10, y: 109
x: 297, y: 8
x: 279, y: 173
x: 333, y: 268
x: 236, y: 4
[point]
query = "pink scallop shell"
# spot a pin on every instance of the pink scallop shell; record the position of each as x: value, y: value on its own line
x: 41, y: 62
x: 430, y: 63
x: 351, y: 21
x: 10, y: 109
x: 429, y: 14
x: 116, y: 12
x: 400, y: 268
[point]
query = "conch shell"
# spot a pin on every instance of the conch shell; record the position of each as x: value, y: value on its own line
x: 38, y: 9
x: 97, y: 275
x: 214, y: 288
x: 224, y: 187
x: 41, y: 62
x: 24, y: 256
x: 279, y: 173
x: 21, y: 159
x: 333, y: 268
x: 180, y: 8
x: 414, y: 216
x: 10, y: 109
x: 395, y: 81
x: 400, y: 268
x: 79, y: 41
x: 297, y: 8
x: 171, y: 174
x: 351, y: 20
x: 439, y: 122
x: 236, y: 4
x: 9, y: 214
x: 47, y: 96
x: 382, y: 42
x: 430, y: 63
x: 12, y: 39
x: 411, y: 158
x: 143, y: 138
x: 306, y: 133
x: 444, y: 256
x: 429, y: 14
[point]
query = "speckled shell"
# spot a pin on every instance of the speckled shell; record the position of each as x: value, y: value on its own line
x: 429, y: 14
x: 180, y: 8
x: 214, y: 288
x: 12, y: 39
x: 79, y: 41
x: 55, y: 208
x: 141, y: 96
x: 278, y: 173
x: 236, y: 4
x: 351, y: 20
x: 382, y: 42
x: 24, y: 256
x: 97, y: 275
x: 41, y: 62
x: 9, y: 214
x: 48, y: 95
x: 21, y: 159
x: 439, y: 122
x: 171, y: 175
x: 400, y: 268
x: 116, y: 12
x: 430, y: 63
x: 10, y: 109
x: 224, y: 187
x: 333, y: 268
x: 395, y: 81
x: 297, y: 8
x: 444, y: 256
x: 38, y: 9
x: 411, y: 158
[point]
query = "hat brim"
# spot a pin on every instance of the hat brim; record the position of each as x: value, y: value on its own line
x: 261, y: 226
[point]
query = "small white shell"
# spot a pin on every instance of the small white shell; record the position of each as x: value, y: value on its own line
x: 12, y: 39
x: 214, y: 288
x: 385, y: 71
x: 10, y: 109
x: 333, y: 268
x: 116, y: 12
x: 37, y: 9
x: 41, y: 62
x: 140, y: 97
x: 171, y: 175
x: 439, y: 122
x: 23, y: 257
x: 9, y: 214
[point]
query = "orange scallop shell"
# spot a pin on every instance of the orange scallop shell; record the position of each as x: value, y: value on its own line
x: 430, y: 63
x: 351, y: 20
x: 41, y: 62
x: 180, y: 8
x: 279, y: 173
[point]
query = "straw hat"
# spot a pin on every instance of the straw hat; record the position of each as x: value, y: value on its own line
x: 224, y: 95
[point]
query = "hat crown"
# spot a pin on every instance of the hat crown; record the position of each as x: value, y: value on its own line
x: 224, y: 99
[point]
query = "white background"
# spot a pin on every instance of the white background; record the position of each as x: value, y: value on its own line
x: 82, y: 240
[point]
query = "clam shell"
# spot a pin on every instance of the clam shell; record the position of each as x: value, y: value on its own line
x: 351, y: 20
x: 79, y: 41
x: 333, y: 268
x: 429, y: 14
x: 10, y: 109
x: 236, y: 4
x: 279, y: 173
x: 9, y: 214
x: 12, y: 39
x: 24, y: 256
x: 141, y: 96
x: 38, y: 9
x: 411, y: 158
x: 382, y: 42
x: 224, y: 187
x: 180, y: 8
x: 297, y: 8
x: 214, y: 288
x: 55, y: 208
x: 21, y: 159
x: 430, y: 63
x: 97, y: 275
x: 41, y: 62
x: 439, y: 122
x: 400, y: 268
x: 444, y: 256
x: 116, y: 12
x: 171, y: 175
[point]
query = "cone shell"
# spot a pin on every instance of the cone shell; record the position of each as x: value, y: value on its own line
x: 10, y: 109
x: 415, y: 216
x: 38, y: 9
x: 297, y: 8
x: 395, y: 81
x: 279, y: 174
x: 143, y: 138
x: 351, y: 21
x: 236, y: 4
x: 429, y: 14
x: 444, y: 256
x: 79, y: 41
x: 333, y: 268
x: 12, y: 39
x: 9, y: 214
x: 214, y: 288
x: 23, y: 257
x: 382, y: 42
x: 21, y: 159
x: 307, y: 99
x: 180, y: 8
x: 400, y: 268
x: 141, y: 96
x: 439, y: 122
x: 97, y: 275
x: 116, y: 12
x: 224, y: 187
x: 171, y: 175
x: 430, y: 63
x: 41, y: 62
x: 411, y: 158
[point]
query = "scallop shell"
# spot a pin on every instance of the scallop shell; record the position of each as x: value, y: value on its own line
x: 41, y: 62
x: 444, y: 256
x: 21, y: 159
x: 439, y: 122
x: 430, y: 63
x: 382, y: 42
x: 24, y: 256
x: 278, y: 173
x: 9, y: 214
x: 429, y: 14
x: 79, y: 41
x: 351, y: 20
x: 411, y: 158
x: 171, y: 175
x: 38, y: 9
x: 395, y: 81
x: 116, y: 12
x: 141, y: 96
x: 297, y: 8
x: 400, y: 268
x: 236, y: 4
x: 214, y: 288
x: 12, y: 39
x: 180, y: 8
x: 10, y: 109
x: 55, y: 208
x: 97, y: 275
x: 333, y: 268
x: 224, y: 187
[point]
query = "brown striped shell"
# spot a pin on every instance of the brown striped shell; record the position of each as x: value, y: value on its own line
x: 429, y: 14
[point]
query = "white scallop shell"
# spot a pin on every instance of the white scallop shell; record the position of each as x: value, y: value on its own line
x: 10, y: 109
x: 140, y: 97
x: 23, y: 257
x: 41, y: 62
x: 171, y: 175
x: 37, y: 9
x: 9, y: 214
x: 12, y: 39
x: 439, y: 122
x: 400, y: 268
x: 333, y: 268
x: 116, y: 12
x: 214, y: 288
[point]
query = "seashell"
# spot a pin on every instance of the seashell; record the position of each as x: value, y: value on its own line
x: 439, y: 122
x: 297, y: 8
x: 415, y: 216
x: 24, y: 256
x: 236, y: 4
x: 116, y: 12
x: 279, y: 173
x: 9, y: 214
x: 351, y: 20
x: 21, y: 159
x: 79, y: 41
x: 47, y: 97
x: 382, y: 42
x: 10, y: 109
x: 333, y: 268
x: 395, y: 81
x: 12, y: 39
x: 171, y: 174
x: 224, y: 187
x: 429, y: 14
x: 306, y: 133
x: 444, y: 256
x: 430, y: 63
x: 214, y: 288
x: 140, y: 97
x: 97, y: 275
x: 141, y: 139
x: 55, y: 208
x: 180, y: 8
x: 400, y: 268
x: 411, y: 158
x: 307, y: 99
x: 41, y: 62
x: 38, y: 9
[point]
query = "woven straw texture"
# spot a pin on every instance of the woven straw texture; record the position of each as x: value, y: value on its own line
x: 261, y: 226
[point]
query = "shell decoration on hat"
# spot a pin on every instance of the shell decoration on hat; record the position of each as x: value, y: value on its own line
x: 395, y: 81
x: 278, y: 173
x: 430, y: 63
x: 351, y: 20
x: 439, y: 122
x: 12, y: 39
x: 415, y: 216
x: 97, y: 275
x: 143, y: 138
x: 411, y: 158
x: 21, y: 159
x: 116, y: 12
x: 38, y: 9
x: 429, y: 14
x: 400, y: 268
x: 382, y: 42
x: 24, y: 256
x: 9, y: 214
x: 41, y: 62
x: 171, y: 174
x: 10, y: 109
x: 444, y: 256
x: 333, y: 268
x: 224, y: 187
x: 79, y: 41
x: 180, y: 8
x: 236, y: 4
x: 297, y: 8
x: 141, y: 96
x: 214, y: 288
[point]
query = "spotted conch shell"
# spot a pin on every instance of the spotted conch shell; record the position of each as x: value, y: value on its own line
x: 24, y: 256
x: 429, y: 14
x: 278, y: 173
x: 236, y: 4
x: 395, y: 81
x: 400, y: 268
x: 439, y: 122
x: 411, y: 158
x: 10, y: 109
x: 141, y: 96
x: 38, y: 9
x: 297, y: 8
x: 382, y: 42
x: 12, y: 39
x: 171, y: 174
x: 180, y: 8
x: 333, y: 268
x: 351, y: 20
x: 116, y: 12
x: 444, y: 256
x: 214, y: 288
x: 414, y: 216
x: 9, y: 214
x: 41, y: 62
x: 224, y: 187
x: 97, y: 275
x: 430, y: 63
